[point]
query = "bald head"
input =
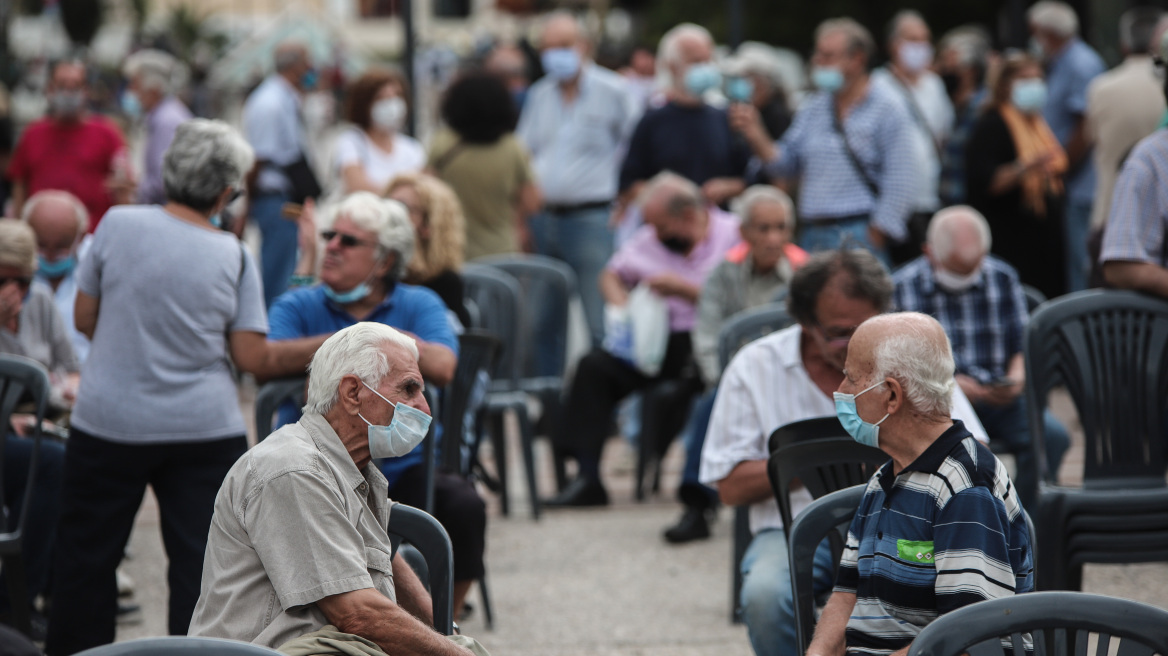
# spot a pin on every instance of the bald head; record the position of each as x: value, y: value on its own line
x: 59, y: 221
x: 673, y: 206
x: 911, y: 348
x: 958, y: 239
x: 561, y: 30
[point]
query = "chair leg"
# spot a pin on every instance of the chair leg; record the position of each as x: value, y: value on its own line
x: 526, y: 434
x: 499, y: 446
x: 488, y: 611
x: 646, y: 442
x: 553, y: 409
x: 13, y: 566
x: 560, y: 464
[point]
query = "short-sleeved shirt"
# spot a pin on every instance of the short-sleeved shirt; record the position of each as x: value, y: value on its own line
x: 1067, y: 77
x: 273, y: 126
x: 643, y: 256
x: 931, y: 116
x: 74, y: 157
x: 1137, y: 226
x: 295, y: 521
x: 945, y: 532
x: 42, y: 335
x: 693, y: 142
x: 161, y: 124
x: 171, y: 293
x: 487, y: 179
x: 355, y: 147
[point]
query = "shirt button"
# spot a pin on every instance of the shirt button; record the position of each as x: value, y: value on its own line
x: 362, y: 487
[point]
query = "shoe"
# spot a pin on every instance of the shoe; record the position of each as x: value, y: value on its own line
x: 693, y: 525
x: 580, y: 493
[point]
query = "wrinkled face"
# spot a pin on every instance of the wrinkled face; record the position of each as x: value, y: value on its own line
x: 837, y: 318
x: 858, y: 376
x: 351, y: 256
x: 403, y: 385
x: 768, y: 233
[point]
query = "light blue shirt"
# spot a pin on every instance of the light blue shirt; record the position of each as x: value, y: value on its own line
x: 577, y: 147
x: 65, y: 296
x: 1067, y: 77
x: 271, y: 124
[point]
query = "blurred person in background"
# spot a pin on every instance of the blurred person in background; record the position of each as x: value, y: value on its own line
x: 509, y: 62
x: 962, y: 60
x: 60, y: 222
x: 479, y: 156
x: 1014, y: 168
x: 373, y: 151
x: 169, y: 302
x: 440, y: 237
x: 641, y: 77
x: 149, y: 96
x: 96, y: 169
x: 755, y: 76
x: 576, y: 122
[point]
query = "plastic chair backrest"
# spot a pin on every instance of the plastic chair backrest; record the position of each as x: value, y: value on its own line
x: 181, y: 645
x: 747, y: 326
x: 816, y: 428
x: 1058, y: 623
x: 477, y: 353
x: 823, y: 466
x: 498, y: 296
x: 831, y: 514
x: 270, y: 396
x: 1110, y: 350
x: 421, y: 530
x: 1034, y: 298
x: 548, y: 286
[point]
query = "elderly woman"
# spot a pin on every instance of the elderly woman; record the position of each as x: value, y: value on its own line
x: 169, y: 301
x: 440, y: 230
x: 374, y: 150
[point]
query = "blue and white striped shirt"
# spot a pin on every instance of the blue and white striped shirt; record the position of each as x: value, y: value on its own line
x: 829, y: 185
x: 985, y: 323
x: 945, y: 532
x: 1139, y: 207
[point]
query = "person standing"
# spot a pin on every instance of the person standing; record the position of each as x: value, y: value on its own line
x: 149, y: 96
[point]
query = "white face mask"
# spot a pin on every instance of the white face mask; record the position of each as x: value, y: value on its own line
x: 951, y: 282
x: 405, y: 431
x: 389, y: 113
x: 915, y: 56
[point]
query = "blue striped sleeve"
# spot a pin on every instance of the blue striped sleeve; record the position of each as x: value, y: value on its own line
x: 971, y: 546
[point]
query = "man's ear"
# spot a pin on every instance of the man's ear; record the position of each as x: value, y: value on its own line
x: 348, y: 394
x: 895, y: 395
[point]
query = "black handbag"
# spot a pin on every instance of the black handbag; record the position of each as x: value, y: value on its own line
x: 303, y: 180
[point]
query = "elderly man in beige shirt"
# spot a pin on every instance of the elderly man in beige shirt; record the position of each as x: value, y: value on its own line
x: 298, y: 540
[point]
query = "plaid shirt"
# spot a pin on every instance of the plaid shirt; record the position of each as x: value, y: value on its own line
x: 985, y: 323
x: 952, y: 185
x: 1139, y: 206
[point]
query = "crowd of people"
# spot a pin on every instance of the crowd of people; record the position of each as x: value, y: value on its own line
x: 902, y: 214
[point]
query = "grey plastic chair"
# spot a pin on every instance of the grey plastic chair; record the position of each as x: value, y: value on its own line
x: 424, y: 533
x: 182, y: 645
x: 1057, y: 624
x: 20, y: 378
x: 270, y: 396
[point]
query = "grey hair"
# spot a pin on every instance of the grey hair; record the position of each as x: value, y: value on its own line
x: 759, y: 59
x: 903, y: 16
x: 744, y: 205
x: 859, y: 38
x: 1055, y: 17
x: 564, y: 15
x: 942, y: 226
x: 922, y: 364
x: 358, y: 350
x: 970, y: 42
x: 684, y: 193
x: 154, y: 69
x: 669, y: 49
x: 1137, y: 27
x: 79, y: 211
x: 866, y: 280
x: 18, y: 245
x: 289, y: 54
x: 205, y: 158
x: 384, y: 217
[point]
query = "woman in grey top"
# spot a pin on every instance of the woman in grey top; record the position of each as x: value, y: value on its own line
x: 167, y: 298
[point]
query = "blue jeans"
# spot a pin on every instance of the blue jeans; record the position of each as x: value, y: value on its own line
x: 695, y: 437
x: 44, y: 507
x: 1078, y: 224
x: 768, y: 601
x: 1008, y: 424
x: 278, y: 248
x: 583, y: 240
x: 828, y: 236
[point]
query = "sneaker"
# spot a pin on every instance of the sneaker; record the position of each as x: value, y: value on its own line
x: 693, y: 525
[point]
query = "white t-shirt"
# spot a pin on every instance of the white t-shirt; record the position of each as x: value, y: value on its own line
x: 933, y: 105
x: 355, y: 147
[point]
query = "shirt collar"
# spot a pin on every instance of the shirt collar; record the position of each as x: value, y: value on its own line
x: 789, y: 353
x: 934, y: 456
x: 326, y: 440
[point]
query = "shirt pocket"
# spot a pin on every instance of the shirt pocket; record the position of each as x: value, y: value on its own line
x: 904, y: 571
x: 380, y: 566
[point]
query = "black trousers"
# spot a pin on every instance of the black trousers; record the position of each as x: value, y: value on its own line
x: 103, y: 487
x: 458, y: 508
x: 601, y: 382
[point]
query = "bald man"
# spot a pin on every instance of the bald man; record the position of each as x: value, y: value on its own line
x: 60, y: 222
x: 979, y: 301
x: 939, y: 526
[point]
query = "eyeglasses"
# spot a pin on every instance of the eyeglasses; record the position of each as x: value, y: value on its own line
x: 23, y: 282
x: 347, y: 241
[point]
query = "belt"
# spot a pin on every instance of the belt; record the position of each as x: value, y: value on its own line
x: 836, y: 220
x: 553, y: 208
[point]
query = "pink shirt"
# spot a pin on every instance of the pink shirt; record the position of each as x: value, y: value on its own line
x: 643, y: 256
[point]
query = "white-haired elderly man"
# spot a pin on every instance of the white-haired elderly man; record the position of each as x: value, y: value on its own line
x: 150, y: 76
x: 978, y: 299
x: 60, y: 223
x: 368, y: 244
x: 298, y: 539
x: 938, y: 527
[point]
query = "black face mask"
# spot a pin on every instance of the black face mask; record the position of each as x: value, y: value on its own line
x: 951, y: 82
x: 679, y: 245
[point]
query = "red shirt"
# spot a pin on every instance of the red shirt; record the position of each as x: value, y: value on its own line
x: 74, y: 157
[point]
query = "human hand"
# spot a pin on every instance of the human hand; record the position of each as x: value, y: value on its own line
x: 716, y: 190
x: 668, y: 284
x: 1003, y: 394
x: 876, y: 238
x: 11, y: 302
x: 745, y: 119
x: 306, y: 227
x: 22, y: 424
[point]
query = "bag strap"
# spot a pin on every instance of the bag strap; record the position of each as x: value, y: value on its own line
x: 448, y: 156
x: 918, y: 115
x: 852, y: 157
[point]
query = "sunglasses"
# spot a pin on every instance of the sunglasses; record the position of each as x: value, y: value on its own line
x: 347, y: 241
x: 23, y: 282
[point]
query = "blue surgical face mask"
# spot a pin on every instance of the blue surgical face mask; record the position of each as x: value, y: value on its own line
x: 700, y: 78
x: 561, y: 64
x: 405, y: 431
x: 827, y: 78
x: 344, y: 298
x: 860, y: 430
x: 739, y: 89
x: 131, y: 105
x: 308, y: 80
x: 56, y: 269
x: 216, y: 220
x: 1029, y: 96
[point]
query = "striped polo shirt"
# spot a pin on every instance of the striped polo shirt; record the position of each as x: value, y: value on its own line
x: 943, y: 533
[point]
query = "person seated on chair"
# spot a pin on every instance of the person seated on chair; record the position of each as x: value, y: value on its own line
x: 979, y: 301
x: 298, y: 538
x: 789, y: 376
x: 939, y: 526
x: 60, y: 222
x: 754, y: 273
x: 369, y: 243
x: 673, y: 253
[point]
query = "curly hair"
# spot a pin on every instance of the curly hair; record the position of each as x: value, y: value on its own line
x: 443, y: 249
x: 479, y: 108
x: 362, y: 92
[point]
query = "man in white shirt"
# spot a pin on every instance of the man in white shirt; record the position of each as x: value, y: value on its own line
x: 784, y: 377
x: 60, y: 222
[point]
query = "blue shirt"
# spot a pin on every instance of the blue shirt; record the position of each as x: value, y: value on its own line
x: 1139, y: 207
x: 985, y: 323
x: 693, y: 142
x: 306, y: 312
x: 575, y: 147
x: 945, y: 532
x: 829, y: 185
x: 1067, y: 77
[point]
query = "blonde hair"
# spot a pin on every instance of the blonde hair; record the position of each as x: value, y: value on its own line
x: 18, y: 245
x: 443, y: 249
